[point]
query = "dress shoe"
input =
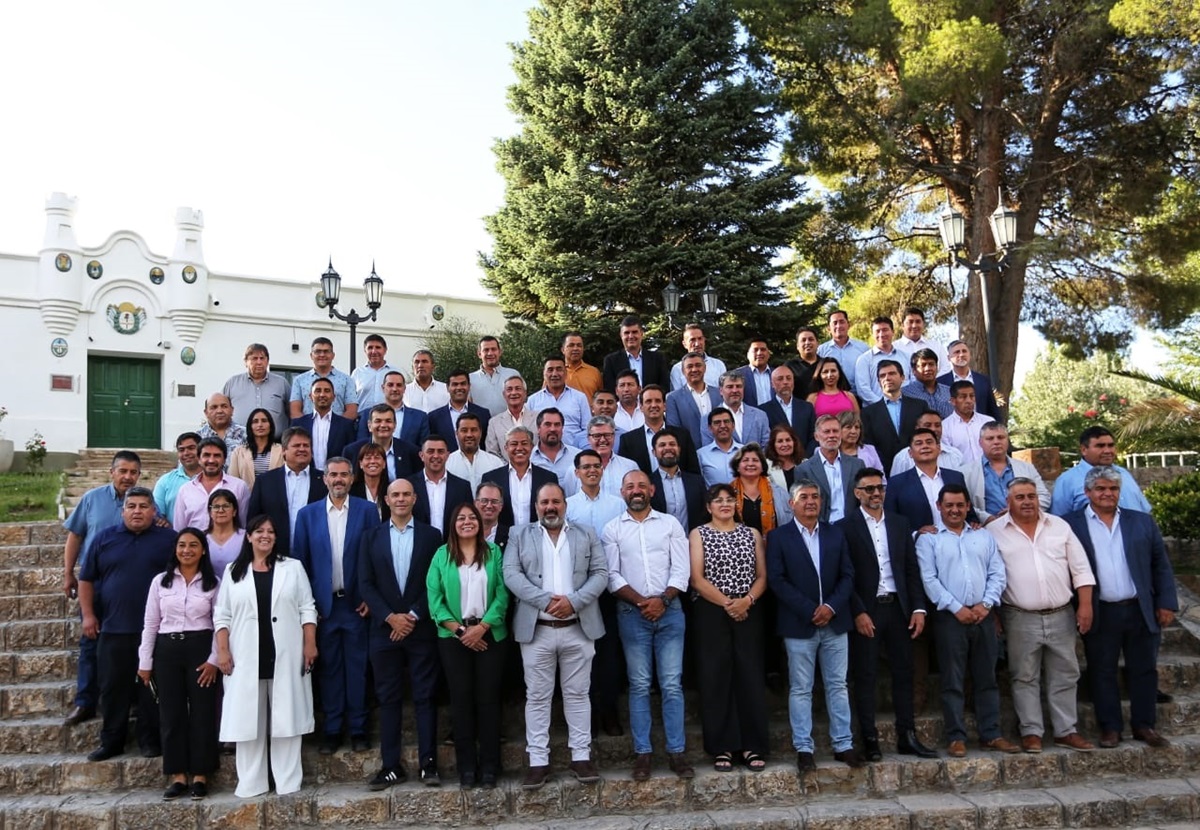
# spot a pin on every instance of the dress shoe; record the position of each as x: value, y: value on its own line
x: 1005, y: 745
x: 330, y: 744
x: 199, y: 790
x: 103, y: 754
x: 359, y: 743
x: 488, y: 780
x: 957, y: 749
x: 641, y: 767
x: 849, y: 757
x: 680, y: 766
x: 535, y: 777
x: 1031, y: 744
x: 176, y: 790
x: 78, y: 715
x: 1162, y: 697
x: 585, y: 771
x: 1151, y: 738
x: 1109, y: 739
x: 152, y: 752
x: 466, y: 780
x: 909, y: 744
x: 1076, y: 742
x: 805, y: 762
x: 871, y: 749
x: 429, y: 775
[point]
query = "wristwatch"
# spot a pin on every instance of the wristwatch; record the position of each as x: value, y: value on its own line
x: 459, y: 632
x: 987, y: 606
x: 666, y: 601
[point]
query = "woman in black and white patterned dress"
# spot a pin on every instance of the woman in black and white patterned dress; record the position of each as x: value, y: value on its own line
x: 729, y: 576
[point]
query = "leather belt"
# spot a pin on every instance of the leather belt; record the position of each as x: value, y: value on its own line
x: 470, y: 621
x: 1045, y: 612
x: 558, y: 623
x: 1119, y: 602
x: 886, y: 598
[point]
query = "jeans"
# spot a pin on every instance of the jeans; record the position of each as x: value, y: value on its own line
x: 832, y: 650
x: 654, y: 647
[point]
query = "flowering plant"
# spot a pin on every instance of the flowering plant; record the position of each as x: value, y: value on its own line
x: 35, y: 453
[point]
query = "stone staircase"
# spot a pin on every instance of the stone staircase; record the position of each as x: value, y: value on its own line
x: 91, y: 470
x: 47, y: 783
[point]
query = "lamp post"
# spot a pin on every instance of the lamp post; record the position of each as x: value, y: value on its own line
x: 671, y: 295
x: 331, y: 285
x: 953, y: 228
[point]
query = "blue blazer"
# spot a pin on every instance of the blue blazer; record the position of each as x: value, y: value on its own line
x: 341, y: 432
x: 751, y: 394
x: 440, y: 423
x: 1147, y: 559
x: 793, y: 579
x: 985, y: 399
x: 458, y: 490
x: 383, y: 594
x: 804, y: 418
x: 407, y: 461
x: 754, y: 428
x: 270, y: 496
x: 414, y: 430
x: 683, y: 412
x: 906, y: 496
x: 314, y: 552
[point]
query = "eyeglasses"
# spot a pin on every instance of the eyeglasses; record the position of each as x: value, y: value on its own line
x: 724, y: 500
x: 220, y: 507
x: 872, y: 488
x: 490, y: 502
x: 601, y: 436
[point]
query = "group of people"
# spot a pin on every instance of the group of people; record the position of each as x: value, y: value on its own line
x: 846, y: 506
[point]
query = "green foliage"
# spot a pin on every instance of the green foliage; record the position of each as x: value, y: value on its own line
x: 525, y: 346
x: 35, y: 453
x: 1175, y: 505
x: 27, y: 497
x: 644, y: 155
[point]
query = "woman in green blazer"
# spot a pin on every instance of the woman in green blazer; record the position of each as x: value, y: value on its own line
x: 468, y: 603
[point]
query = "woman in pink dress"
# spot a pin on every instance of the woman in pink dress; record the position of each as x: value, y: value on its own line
x: 830, y: 393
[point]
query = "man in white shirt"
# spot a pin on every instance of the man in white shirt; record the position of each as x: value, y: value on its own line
x: 425, y: 393
x: 950, y: 459
x: 648, y: 570
x: 628, y: 416
x: 914, y: 338
x: 438, y: 491
x: 961, y: 429
x: 694, y: 342
x: 602, y: 437
x: 469, y: 461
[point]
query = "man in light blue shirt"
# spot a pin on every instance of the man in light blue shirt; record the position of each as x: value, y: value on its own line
x: 841, y: 346
x: 716, y: 457
x: 550, y: 453
x: 694, y: 342
x: 345, y: 396
x: 573, y: 404
x: 1098, y: 448
x: 487, y: 382
x: 590, y: 505
x: 866, y: 380
x: 168, y: 484
x: 368, y: 379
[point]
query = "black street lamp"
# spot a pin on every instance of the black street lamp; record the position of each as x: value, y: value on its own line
x: 331, y: 286
x: 1004, y: 231
x: 671, y: 295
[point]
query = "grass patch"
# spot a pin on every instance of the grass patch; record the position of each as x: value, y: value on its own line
x: 29, y: 498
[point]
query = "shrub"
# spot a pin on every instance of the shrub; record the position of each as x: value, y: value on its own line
x: 1175, y: 505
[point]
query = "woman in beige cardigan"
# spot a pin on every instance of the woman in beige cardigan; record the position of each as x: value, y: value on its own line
x: 261, y: 451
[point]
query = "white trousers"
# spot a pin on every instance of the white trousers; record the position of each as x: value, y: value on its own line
x: 570, y: 652
x: 283, y: 754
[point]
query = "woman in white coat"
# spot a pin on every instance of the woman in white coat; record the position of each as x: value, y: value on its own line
x: 266, y: 630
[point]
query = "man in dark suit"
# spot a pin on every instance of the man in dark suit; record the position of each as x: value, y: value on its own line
x: 757, y: 374
x: 888, y: 423
x: 403, y: 458
x: 907, y: 496
x: 444, y: 420
x: 342, y: 625
x: 519, y: 480
x: 888, y: 604
x: 280, y: 493
x: 651, y: 366
x: 833, y: 472
x: 337, y: 431
x: 435, y: 485
x: 682, y: 410
x: 635, y: 444
x: 677, y: 492
x: 393, y: 564
x: 413, y: 423
x: 960, y: 362
x: 785, y: 408
x: 1134, y: 600
x: 809, y: 570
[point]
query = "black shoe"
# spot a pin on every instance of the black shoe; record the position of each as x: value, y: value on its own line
x: 152, y: 752
x: 386, y: 778
x: 488, y: 781
x: 805, y: 762
x: 78, y: 715
x: 103, y: 754
x: 199, y: 790
x: 177, y: 789
x: 429, y: 775
x: 359, y: 743
x: 229, y: 748
x: 1162, y: 697
x: 466, y: 780
x: 871, y: 749
x: 449, y: 739
x: 849, y: 757
x: 330, y: 744
x: 909, y: 744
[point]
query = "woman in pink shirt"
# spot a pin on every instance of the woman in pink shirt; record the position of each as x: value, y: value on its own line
x: 176, y: 659
x: 830, y: 393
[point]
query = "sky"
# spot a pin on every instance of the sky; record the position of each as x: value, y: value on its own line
x: 360, y: 130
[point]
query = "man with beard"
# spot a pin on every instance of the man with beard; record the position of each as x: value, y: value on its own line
x: 551, y: 453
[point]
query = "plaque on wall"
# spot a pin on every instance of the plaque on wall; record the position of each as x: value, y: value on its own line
x: 156, y: 275
x: 188, y: 355
x: 438, y: 312
x: 95, y: 269
x: 58, y: 347
x: 189, y: 274
x: 63, y: 262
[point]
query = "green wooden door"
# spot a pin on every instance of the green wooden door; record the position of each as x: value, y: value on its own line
x: 124, y: 406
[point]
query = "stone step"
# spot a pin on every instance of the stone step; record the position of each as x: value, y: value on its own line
x: 775, y: 798
x: 38, y: 665
x: 32, y: 533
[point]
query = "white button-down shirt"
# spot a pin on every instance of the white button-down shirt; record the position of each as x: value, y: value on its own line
x: 932, y: 485
x: 557, y: 566
x: 887, y: 581
x: 837, y: 493
x: 649, y: 555
x: 473, y: 469
x: 336, y: 518
x: 812, y: 541
x: 436, y: 491
x: 520, y: 493
x: 626, y: 421
x: 320, y: 437
x: 429, y: 399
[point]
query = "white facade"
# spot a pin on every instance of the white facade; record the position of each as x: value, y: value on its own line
x: 138, y: 305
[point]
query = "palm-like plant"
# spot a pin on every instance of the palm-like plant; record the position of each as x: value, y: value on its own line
x: 1165, y: 423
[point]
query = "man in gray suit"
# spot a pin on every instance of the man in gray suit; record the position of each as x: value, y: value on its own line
x: 556, y: 573
x: 832, y: 471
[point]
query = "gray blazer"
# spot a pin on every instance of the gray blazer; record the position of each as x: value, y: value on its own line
x: 523, y: 576
x: 813, y: 468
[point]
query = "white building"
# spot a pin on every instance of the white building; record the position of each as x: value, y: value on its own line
x: 117, y: 346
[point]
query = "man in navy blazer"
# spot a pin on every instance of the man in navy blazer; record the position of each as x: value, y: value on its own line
x: 785, y: 408
x: 829, y: 461
x: 905, y: 493
x: 653, y: 368
x: 413, y: 423
x: 960, y: 361
x: 879, y: 430
x: 342, y: 624
x: 756, y: 374
x: 682, y: 410
x: 270, y: 493
x: 341, y: 430
x: 666, y: 450
x: 809, y: 570
x: 456, y: 490
x: 499, y: 477
x: 1134, y: 600
x: 444, y: 420
x: 402, y: 639
x: 888, y: 605
x: 403, y: 458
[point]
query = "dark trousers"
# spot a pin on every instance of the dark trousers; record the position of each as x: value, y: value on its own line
x: 117, y: 660
x: 474, y: 680
x: 418, y: 661
x: 606, y: 666
x: 729, y: 667
x: 187, y: 711
x: 342, y: 668
x: 87, y: 687
x: 962, y: 649
x: 1120, y: 628
x: 891, y: 639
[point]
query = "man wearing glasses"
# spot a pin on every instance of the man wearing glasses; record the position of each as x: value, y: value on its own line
x: 602, y: 437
